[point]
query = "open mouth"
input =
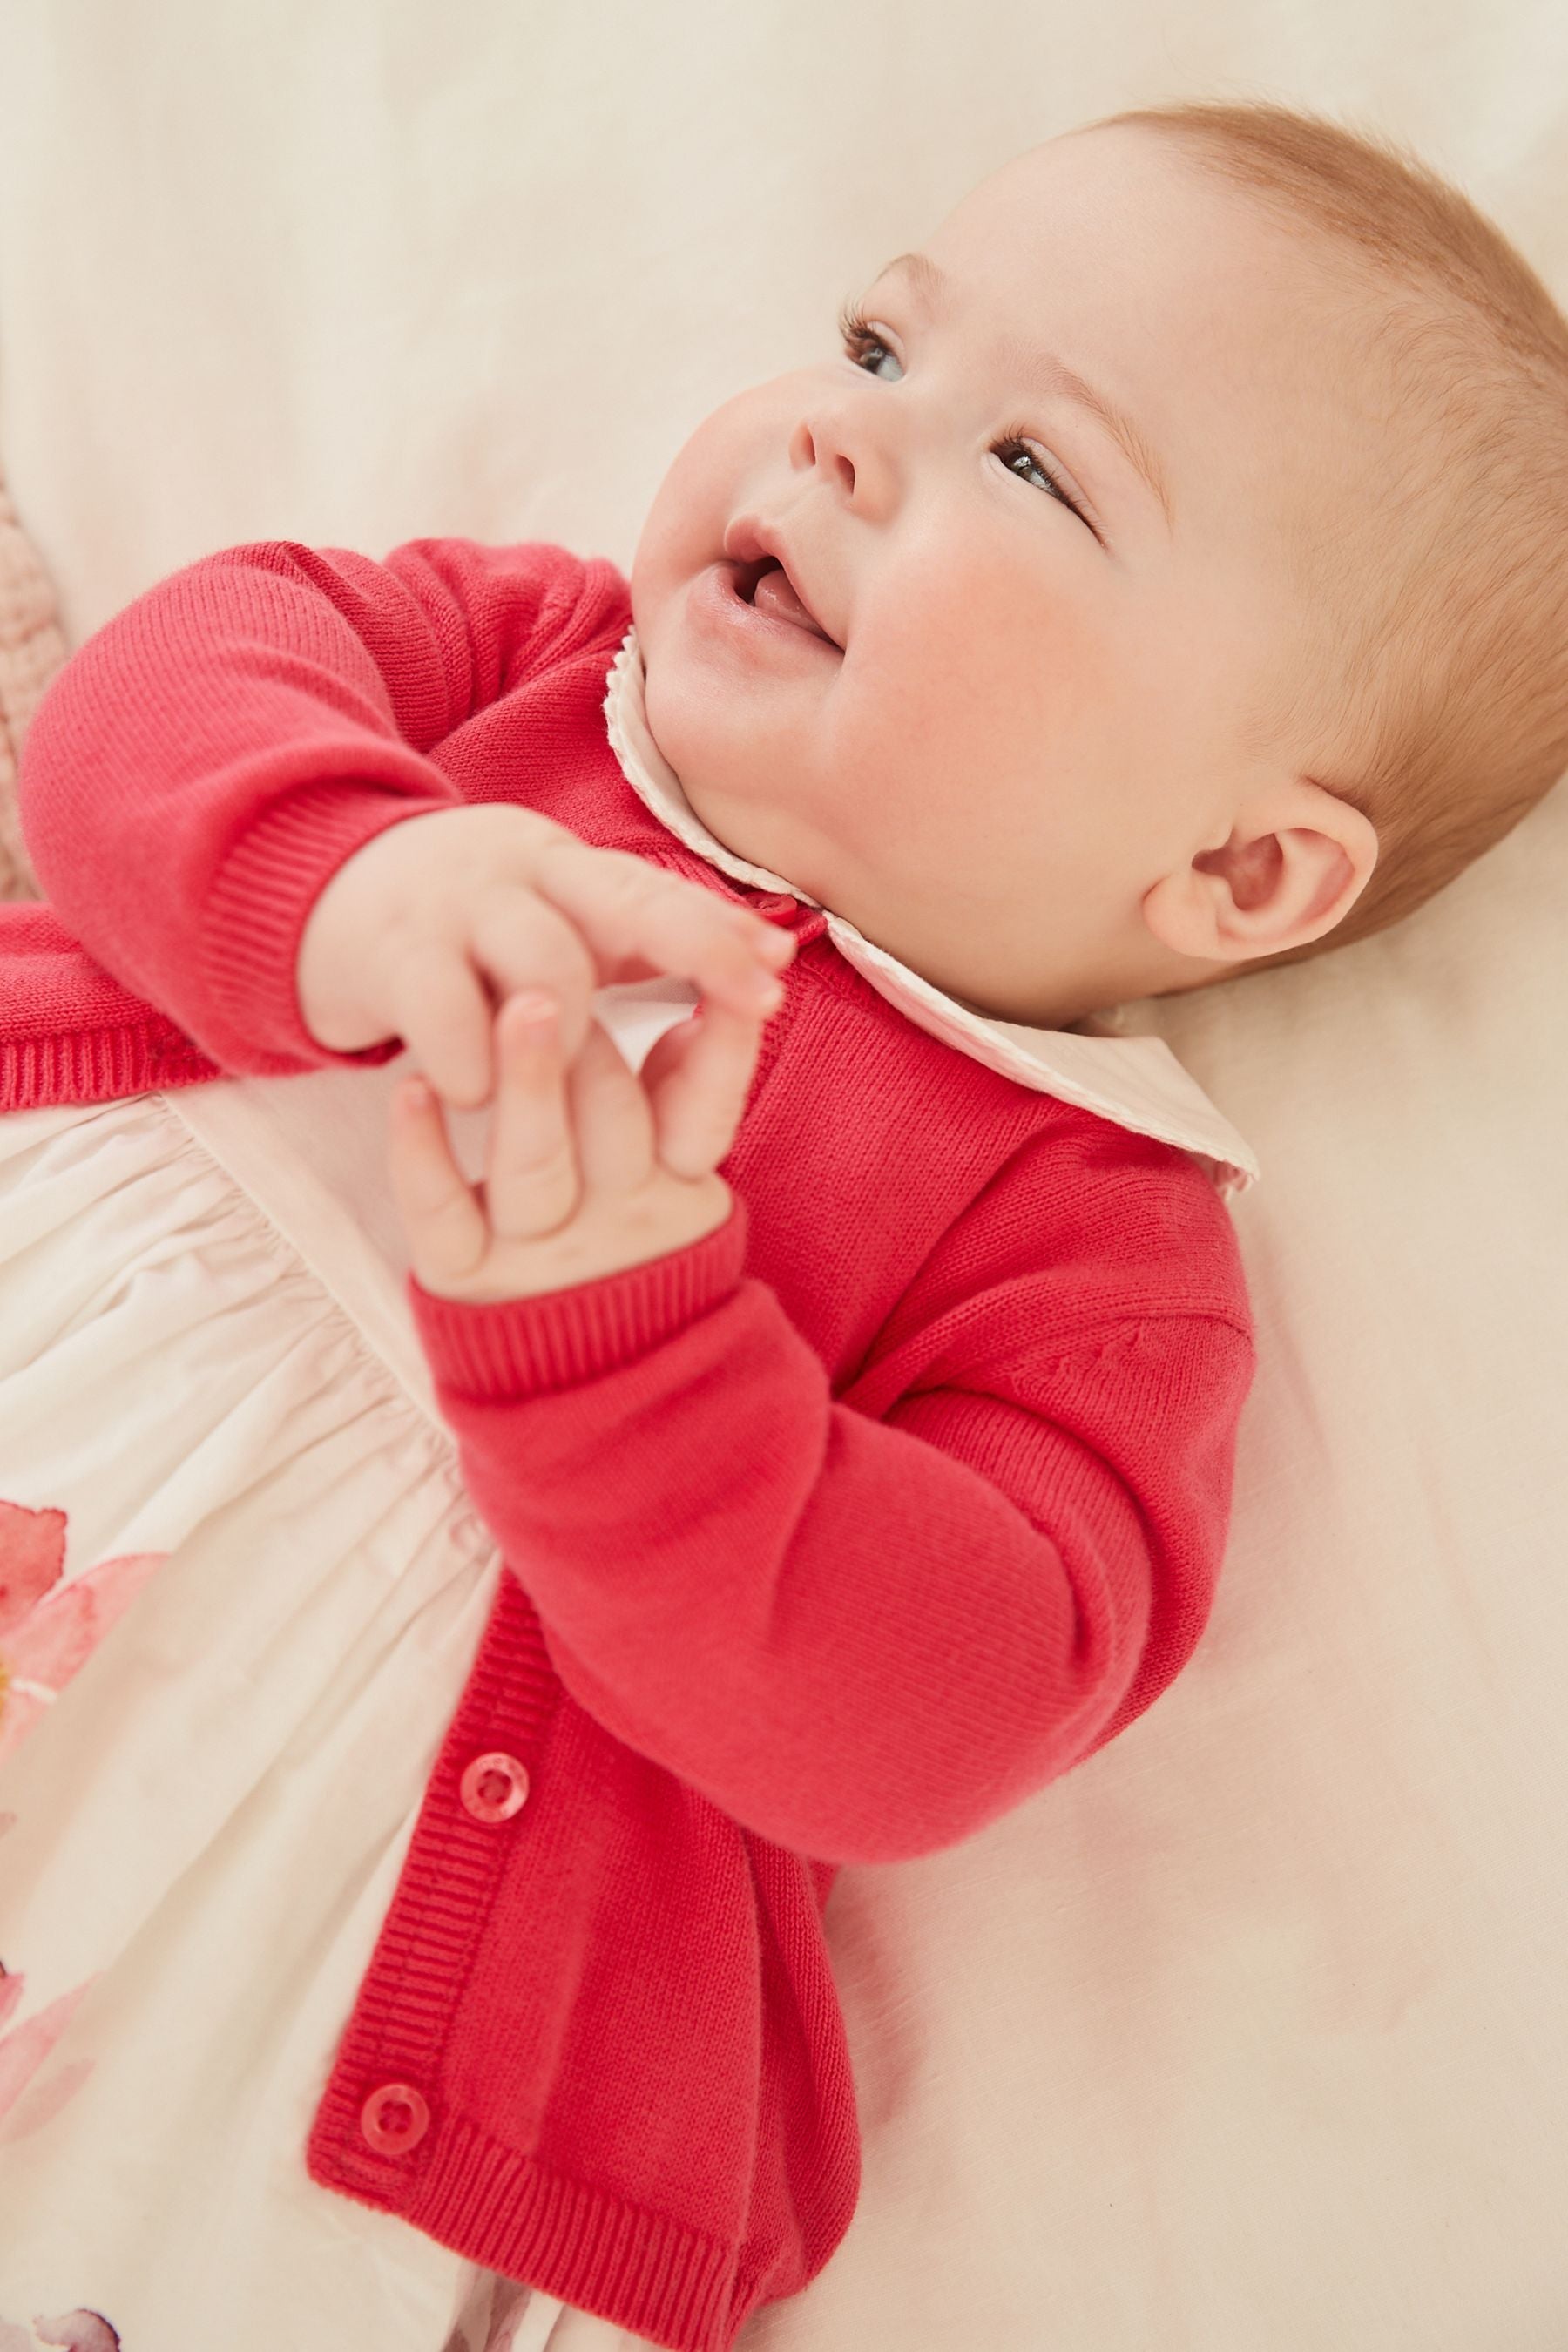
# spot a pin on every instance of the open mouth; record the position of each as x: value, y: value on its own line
x: 748, y: 574
x: 766, y: 586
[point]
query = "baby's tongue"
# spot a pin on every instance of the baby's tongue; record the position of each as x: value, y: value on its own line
x: 774, y: 594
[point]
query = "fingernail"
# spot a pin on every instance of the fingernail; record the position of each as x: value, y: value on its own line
x: 778, y: 947
x: 534, y: 1007
x: 768, y: 995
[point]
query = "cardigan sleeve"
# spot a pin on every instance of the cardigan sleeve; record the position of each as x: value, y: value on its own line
x: 200, y: 767
x: 70, y: 1032
x: 864, y: 1635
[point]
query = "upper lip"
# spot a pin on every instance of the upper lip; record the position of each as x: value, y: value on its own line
x: 749, y: 539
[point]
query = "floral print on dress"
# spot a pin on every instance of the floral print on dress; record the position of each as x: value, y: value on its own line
x: 78, y: 2331
x: 21, y: 2055
x: 50, y: 1626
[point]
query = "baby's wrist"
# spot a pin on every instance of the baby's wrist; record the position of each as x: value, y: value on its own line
x: 334, y: 969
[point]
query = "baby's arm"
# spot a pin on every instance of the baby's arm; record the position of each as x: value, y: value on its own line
x: 863, y: 1625
x: 205, y: 764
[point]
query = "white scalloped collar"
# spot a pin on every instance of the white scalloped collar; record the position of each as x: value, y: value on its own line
x: 1136, y: 1081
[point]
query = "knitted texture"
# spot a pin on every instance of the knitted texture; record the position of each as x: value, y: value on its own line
x: 829, y: 1539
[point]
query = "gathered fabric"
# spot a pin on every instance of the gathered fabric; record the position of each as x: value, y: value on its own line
x: 207, y: 1797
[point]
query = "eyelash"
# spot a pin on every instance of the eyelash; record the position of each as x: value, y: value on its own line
x: 858, y: 333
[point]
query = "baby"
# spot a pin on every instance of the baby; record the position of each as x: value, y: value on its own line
x: 848, y: 1382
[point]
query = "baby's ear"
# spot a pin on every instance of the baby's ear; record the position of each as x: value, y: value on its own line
x: 1297, y: 860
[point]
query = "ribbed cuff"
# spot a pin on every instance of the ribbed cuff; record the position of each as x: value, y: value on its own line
x: 92, y: 1065
x: 516, y: 1348
x: 263, y: 895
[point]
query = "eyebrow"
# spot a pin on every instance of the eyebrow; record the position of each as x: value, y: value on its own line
x: 934, y: 286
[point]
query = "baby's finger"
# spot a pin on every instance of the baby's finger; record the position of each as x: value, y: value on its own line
x: 698, y: 1077
x: 441, y: 1217
x: 632, y: 911
x: 531, y: 1179
x: 613, y: 1117
x: 444, y: 1017
x: 517, y: 941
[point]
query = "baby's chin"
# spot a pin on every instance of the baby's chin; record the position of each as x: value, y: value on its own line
x: 682, y: 725
x: 664, y: 703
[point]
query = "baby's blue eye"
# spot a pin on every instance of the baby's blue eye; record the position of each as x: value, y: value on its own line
x: 860, y: 338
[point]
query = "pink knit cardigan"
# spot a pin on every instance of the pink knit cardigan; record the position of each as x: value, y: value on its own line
x: 830, y: 1538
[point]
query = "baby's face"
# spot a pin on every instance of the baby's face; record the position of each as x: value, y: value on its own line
x: 1047, y: 624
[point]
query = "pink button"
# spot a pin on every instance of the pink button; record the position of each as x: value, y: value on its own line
x: 494, y: 1787
x: 395, y: 2119
x: 773, y: 902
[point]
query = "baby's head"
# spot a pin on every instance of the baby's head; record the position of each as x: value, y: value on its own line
x: 1189, y: 527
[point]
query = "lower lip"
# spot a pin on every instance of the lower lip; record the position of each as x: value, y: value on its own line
x: 718, y: 604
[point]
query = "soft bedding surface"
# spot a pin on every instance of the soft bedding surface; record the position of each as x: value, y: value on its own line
x: 1251, y: 2034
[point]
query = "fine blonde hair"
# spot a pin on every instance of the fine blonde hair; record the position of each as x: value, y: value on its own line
x: 1448, y: 674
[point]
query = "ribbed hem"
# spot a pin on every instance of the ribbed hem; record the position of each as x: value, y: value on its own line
x: 595, y: 2252
x: 99, y: 1065
x: 528, y: 1346
x: 263, y: 896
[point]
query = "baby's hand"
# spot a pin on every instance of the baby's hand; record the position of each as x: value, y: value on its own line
x: 422, y: 930
x: 588, y: 1168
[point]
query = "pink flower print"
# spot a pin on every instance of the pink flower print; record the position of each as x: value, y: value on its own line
x: 48, y: 1629
x: 21, y: 2053
x: 78, y: 2331
x: 32, y: 1554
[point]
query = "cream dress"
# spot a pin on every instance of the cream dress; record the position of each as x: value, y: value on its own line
x: 240, y: 1590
